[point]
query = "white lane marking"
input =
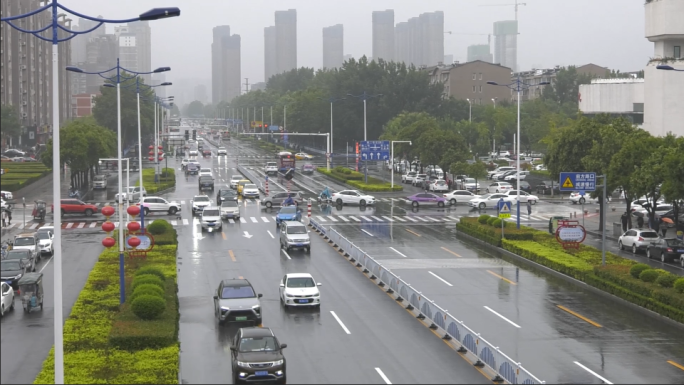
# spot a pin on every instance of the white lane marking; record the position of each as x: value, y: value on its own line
x: 81, y: 225
x: 182, y: 202
x: 321, y: 219
x: 185, y: 222
x: 389, y: 219
x: 243, y: 220
x: 50, y: 224
x: 269, y: 233
x: 46, y: 263
x: 376, y: 218
x: 274, y: 218
x: 339, y: 321
x: 355, y: 218
x: 502, y: 317
x: 33, y: 226
x: 440, y: 278
x: 343, y: 218
x: 411, y: 219
x: 433, y: 219
x: 365, y: 218
x: 254, y: 220
x: 93, y: 225
x: 384, y: 377
x: 400, y: 219
x: 395, y: 250
x: 230, y: 220
x: 592, y: 372
x: 286, y: 254
x: 71, y: 224
x: 422, y: 219
x: 265, y: 219
x: 455, y: 218
x: 332, y: 218
x: 367, y: 232
x: 174, y: 223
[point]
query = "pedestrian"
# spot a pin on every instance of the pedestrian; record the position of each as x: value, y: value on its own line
x: 625, y: 220
x: 529, y: 208
x: 9, y: 217
x: 663, y: 227
x: 4, y: 218
x: 640, y: 222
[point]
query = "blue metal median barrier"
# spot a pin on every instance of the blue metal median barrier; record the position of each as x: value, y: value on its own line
x: 317, y: 226
x: 472, y: 343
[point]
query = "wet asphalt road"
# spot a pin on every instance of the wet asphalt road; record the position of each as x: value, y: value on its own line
x: 28, y: 337
x: 381, y: 337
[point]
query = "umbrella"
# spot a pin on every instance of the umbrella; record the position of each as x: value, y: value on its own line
x: 667, y: 220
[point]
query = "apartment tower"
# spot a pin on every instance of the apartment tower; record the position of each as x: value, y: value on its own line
x: 506, y: 44
x: 286, y: 40
x: 270, y: 64
x: 383, y: 35
x: 225, y: 65
x: 333, y: 46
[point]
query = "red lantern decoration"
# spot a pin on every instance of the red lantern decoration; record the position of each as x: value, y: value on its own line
x: 133, y: 210
x: 133, y: 226
x: 161, y: 158
x: 151, y: 158
x: 108, y: 226
x: 160, y: 152
x: 160, y: 147
x: 150, y: 147
x: 108, y: 211
x: 109, y: 242
x: 134, y: 242
x: 151, y: 153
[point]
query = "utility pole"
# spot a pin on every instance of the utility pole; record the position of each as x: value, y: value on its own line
x: 246, y: 85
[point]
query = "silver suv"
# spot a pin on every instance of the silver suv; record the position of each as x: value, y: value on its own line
x: 277, y: 199
x: 211, y: 218
x: 99, y: 182
x: 236, y: 301
x: 294, y: 235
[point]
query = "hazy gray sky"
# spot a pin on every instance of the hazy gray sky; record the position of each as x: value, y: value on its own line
x: 552, y: 32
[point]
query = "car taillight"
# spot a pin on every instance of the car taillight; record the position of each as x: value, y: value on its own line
x: 641, y: 239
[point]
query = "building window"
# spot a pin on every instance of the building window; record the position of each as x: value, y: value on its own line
x: 480, y: 89
x: 677, y: 52
x: 480, y: 75
x: 474, y: 88
x: 474, y: 76
x: 480, y: 101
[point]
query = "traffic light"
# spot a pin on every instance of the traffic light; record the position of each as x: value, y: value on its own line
x: 265, y: 125
x: 187, y: 135
x: 194, y: 134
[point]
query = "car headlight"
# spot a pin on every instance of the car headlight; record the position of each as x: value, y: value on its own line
x: 279, y: 362
x: 317, y: 295
x: 289, y: 295
x: 18, y: 276
x: 243, y: 364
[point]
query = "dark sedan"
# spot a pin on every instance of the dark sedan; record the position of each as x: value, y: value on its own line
x: 426, y: 199
x: 11, y: 271
x: 226, y: 194
x: 546, y: 187
x: 667, y: 249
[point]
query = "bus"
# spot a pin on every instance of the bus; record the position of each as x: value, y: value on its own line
x: 286, y: 162
x: 225, y: 136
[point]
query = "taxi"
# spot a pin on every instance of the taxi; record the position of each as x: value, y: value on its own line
x: 241, y: 185
x: 303, y: 156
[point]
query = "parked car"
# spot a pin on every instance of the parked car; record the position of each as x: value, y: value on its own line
x: 422, y: 199
x: 524, y: 186
x: 512, y: 196
x: 256, y: 354
x: 352, y: 197
x: 278, y: 198
x: 514, y: 176
x: 419, y: 179
x: 499, y: 187
x: 99, y: 182
x: 236, y: 301
x: 456, y: 196
x: 546, y: 187
x: 502, y: 175
x: 666, y: 249
x: 637, y: 239
x: 499, y: 170
x: 408, y: 177
x: 439, y: 185
x: 7, y: 299
x: 577, y: 198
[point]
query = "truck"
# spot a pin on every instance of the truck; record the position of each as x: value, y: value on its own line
x: 271, y: 168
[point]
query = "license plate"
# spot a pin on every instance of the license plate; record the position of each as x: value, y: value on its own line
x: 303, y: 301
x: 299, y: 244
x: 241, y: 318
x: 261, y: 373
x: 212, y: 224
x: 680, y: 251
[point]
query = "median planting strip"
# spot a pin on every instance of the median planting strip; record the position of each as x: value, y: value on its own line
x: 21, y: 174
x: 356, y: 180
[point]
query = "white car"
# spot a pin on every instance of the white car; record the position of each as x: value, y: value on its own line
x: 234, y: 179
x: 250, y: 190
x: 488, y: 200
x: 210, y: 219
x: 45, y: 241
x: 459, y: 196
x: 205, y: 172
x: 3, y: 204
x: 499, y: 171
x: 299, y: 289
x: 499, y: 187
x: 636, y: 239
x: 221, y: 151
x: 514, y: 176
x: 419, y: 179
x: 512, y: 196
x: 271, y: 168
x: 576, y: 198
x: 408, y: 177
x: 439, y: 185
x: 346, y: 197
x: 199, y: 203
x: 6, y: 195
x: 303, y: 155
x: 132, y: 194
x: 230, y: 209
x: 184, y: 163
x: 158, y: 204
x: 470, y: 184
x: 7, y: 299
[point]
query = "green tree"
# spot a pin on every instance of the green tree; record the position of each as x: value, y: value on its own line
x: 477, y: 170
x: 409, y: 126
x: 673, y: 166
x: 565, y: 87
x: 10, y: 122
x: 459, y: 168
x: 294, y: 80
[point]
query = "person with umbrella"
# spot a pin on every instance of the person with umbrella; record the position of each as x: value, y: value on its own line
x: 663, y: 225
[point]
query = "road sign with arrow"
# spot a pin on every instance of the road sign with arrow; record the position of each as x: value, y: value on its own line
x: 247, y: 235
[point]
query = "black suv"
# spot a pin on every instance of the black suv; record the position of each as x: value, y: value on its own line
x: 225, y: 194
x: 256, y: 355
x: 545, y: 188
x: 206, y: 182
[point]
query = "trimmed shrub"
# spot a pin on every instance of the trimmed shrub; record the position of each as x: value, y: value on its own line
x: 666, y: 280
x: 649, y: 275
x: 150, y: 270
x: 147, y: 278
x: 148, y: 307
x: 491, y: 220
x: 497, y: 222
x: 483, y: 218
x: 146, y: 289
x: 679, y: 285
x: 638, y: 268
x: 157, y: 227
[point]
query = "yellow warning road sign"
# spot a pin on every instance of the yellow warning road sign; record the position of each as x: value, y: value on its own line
x: 568, y: 183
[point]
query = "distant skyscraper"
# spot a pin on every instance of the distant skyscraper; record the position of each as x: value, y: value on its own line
x: 102, y: 52
x: 225, y: 65
x: 506, y: 44
x: 270, y: 65
x: 217, y: 69
x: 333, y: 46
x: 383, y: 35
x: 286, y: 40
x: 480, y: 52
x: 420, y: 40
x: 448, y: 59
x: 401, y: 43
x: 134, y: 47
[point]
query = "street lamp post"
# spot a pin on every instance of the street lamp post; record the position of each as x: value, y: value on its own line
x: 669, y: 68
x: 364, y: 96
x: 470, y: 110
x: 517, y: 86
x: 494, y: 101
x: 53, y: 7
x: 392, y: 156
x: 332, y: 148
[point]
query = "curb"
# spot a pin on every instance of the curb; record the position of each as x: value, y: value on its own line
x: 571, y: 280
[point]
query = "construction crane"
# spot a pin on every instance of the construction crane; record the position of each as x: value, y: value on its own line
x: 489, y: 35
x: 516, y: 4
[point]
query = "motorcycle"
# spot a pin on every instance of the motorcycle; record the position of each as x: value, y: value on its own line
x: 325, y: 196
x: 75, y: 194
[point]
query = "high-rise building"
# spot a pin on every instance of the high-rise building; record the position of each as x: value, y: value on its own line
x: 506, y: 43
x: 225, y: 65
x: 333, y: 46
x: 401, y: 43
x: 286, y: 40
x: 480, y: 52
x: 383, y: 35
x: 270, y: 65
x: 26, y: 73
x: 420, y: 40
x: 216, y: 60
x: 79, y: 43
x: 134, y: 47
x: 102, y: 52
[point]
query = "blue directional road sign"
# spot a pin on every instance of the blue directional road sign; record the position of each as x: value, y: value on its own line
x: 504, y: 209
x: 375, y: 150
x: 577, y: 181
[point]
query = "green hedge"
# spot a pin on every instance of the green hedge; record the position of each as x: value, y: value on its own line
x: 355, y: 179
x: 167, y: 180
x: 492, y: 234
x: 21, y: 174
x: 98, y: 328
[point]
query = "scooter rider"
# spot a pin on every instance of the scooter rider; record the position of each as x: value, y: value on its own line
x: 288, y: 201
x: 326, y: 194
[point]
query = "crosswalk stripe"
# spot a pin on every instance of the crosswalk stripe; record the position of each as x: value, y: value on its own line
x: 70, y: 224
x: 174, y: 223
x: 47, y: 224
x: 434, y: 219
x: 362, y: 217
x: 376, y: 218
x: 182, y: 202
x: 400, y: 219
x: 231, y: 221
x: 93, y: 225
x: 389, y: 219
x: 185, y: 222
x: 422, y: 219
x: 343, y: 218
x: 81, y: 225
x: 265, y: 219
x: 455, y: 218
x: 411, y: 219
x: 274, y: 218
x: 332, y: 218
x: 254, y: 220
x: 33, y: 226
x: 321, y: 219
x: 243, y: 220
x: 355, y: 218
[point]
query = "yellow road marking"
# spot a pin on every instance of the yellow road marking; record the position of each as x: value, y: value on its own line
x: 414, y: 233
x: 223, y: 235
x: 676, y: 365
x: 505, y: 279
x: 232, y: 256
x: 449, y: 251
x: 583, y: 318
